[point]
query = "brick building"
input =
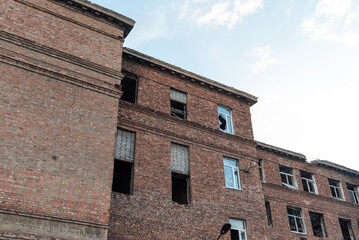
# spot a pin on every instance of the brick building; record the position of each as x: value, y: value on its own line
x: 98, y: 141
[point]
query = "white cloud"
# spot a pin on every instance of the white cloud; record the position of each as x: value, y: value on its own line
x: 264, y: 59
x: 219, y: 12
x: 334, y: 20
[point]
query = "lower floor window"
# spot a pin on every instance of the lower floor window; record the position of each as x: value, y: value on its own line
x: 317, y: 221
x: 122, y: 177
x: 238, y: 229
x: 180, y: 188
x: 346, y: 228
x: 295, y: 220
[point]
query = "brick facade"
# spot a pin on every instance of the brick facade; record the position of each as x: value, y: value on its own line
x: 61, y: 64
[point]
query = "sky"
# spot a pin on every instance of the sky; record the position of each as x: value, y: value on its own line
x: 299, y: 57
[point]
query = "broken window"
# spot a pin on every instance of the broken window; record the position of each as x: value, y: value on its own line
x: 238, y: 229
x: 129, y: 89
x: 336, y: 189
x: 178, y: 104
x: 295, y: 220
x: 261, y: 171
x: 353, y: 193
x: 346, y: 228
x: 269, y: 214
x: 308, y: 182
x: 180, y: 174
x: 317, y: 220
x: 287, y: 177
x: 123, y: 166
x: 225, y: 120
x: 231, y: 173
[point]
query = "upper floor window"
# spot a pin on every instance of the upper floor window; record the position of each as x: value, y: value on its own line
x: 287, y: 177
x: 238, y: 229
x: 308, y: 182
x: 129, y: 89
x: 296, y: 220
x: 225, y: 120
x: 336, y: 189
x: 261, y: 171
x: 180, y: 174
x: 178, y: 104
x: 231, y: 173
x: 353, y: 193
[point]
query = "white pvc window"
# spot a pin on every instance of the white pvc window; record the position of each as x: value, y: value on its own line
x: 296, y: 222
x: 231, y: 173
x: 308, y: 182
x: 353, y: 193
x: 238, y: 229
x: 225, y: 120
x: 336, y: 189
x: 287, y: 177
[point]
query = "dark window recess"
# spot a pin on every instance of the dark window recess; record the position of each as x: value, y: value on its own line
x: 346, y: 228
x: 234, y: 234
x: 318, y: 226
x: 122, y: 177
x: 180, y: 188
x: 222, y: 122
x: 269, y: 214
x: 178, y: 109
x: 129, y: 89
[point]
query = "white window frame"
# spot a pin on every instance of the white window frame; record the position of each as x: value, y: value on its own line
x: 237, y: 222
x: 287, y: 175
x: 355, y: 193
x: 234, y: 169
x: 307, y: 180
x: 337, y: 189
x: 228, y: 130
x: 296, y: 219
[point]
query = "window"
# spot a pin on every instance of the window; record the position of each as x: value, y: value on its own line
x: 308, y: 182
x: 269, y: 214
x: 346, y: 228
x: 129, y: 89
x: 353, y: 193
x: 238, y: 229
x: 180, y: 174
x: 123, y: 166
x: 225, y: 120
x: 295, y: 220
x: 261, y: 171
x: 318, y: 226
x: 231, y: 173
x: 336, y: 189
x: 287, y: 177
x: 178, y: 104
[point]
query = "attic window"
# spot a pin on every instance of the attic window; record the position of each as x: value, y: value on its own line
x: 129, y: 89
x: 178, y: 104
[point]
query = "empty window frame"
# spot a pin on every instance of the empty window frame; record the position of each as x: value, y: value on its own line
x: 336, y: 189
x: 346, y: 227
x: 353, y: 193
x: 178, y: 104
x: 180, y: 174
x: 261, y: 170
x: 231, y: 173
x: 225, y: 120
x: 238, y: 229
x: 287, y: 177
x: 308, y: 182
x: 296, y: 222
x: 129, y: 89
x: 269, y: 214
x: 317, y: 221
x: 124, y: 158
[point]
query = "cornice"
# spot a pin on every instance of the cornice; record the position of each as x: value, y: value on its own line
x: 281, y: 151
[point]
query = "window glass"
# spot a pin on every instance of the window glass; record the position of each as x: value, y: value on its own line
x: 231, y: 173
x: 225, y: 120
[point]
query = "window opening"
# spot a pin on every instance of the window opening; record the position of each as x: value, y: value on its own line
x: 269, y: 214
x: 180, y: 174
x: 308, y: 182
x: 178, y: 104
x: 261, y: 170
x: 238, y: 229
x: 295, y: 220
x: 336, y: 189
x: 231, y: 173
x: 346, y: 228
x: 129, y: 89
x: 317, y: 221
x: 353, y: 193
x: 287, y: 177
x: 225, y: 120
x: 180, y: 188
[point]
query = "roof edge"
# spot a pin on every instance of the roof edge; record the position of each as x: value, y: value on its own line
x: 184, y: 73
x: 335, y: 166
x: 282, y: 151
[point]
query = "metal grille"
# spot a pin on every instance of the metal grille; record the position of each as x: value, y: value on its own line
x: 179, y: 158
x: 125, y: 145
x: 178, y: 96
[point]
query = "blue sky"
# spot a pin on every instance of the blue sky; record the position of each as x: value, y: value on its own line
x: 299, y: 57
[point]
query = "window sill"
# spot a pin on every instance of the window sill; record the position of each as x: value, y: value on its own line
x: 289, y: 186
x: 238, y: 189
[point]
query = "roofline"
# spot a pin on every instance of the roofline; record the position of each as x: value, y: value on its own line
x: 281, y: 151
x: 114, y: 18
x: 335, y: 166
x: 190, y: 75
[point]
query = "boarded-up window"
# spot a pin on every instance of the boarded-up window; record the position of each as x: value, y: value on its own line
x: 125, y: 145
x: 178, y: 96
x: 179, y: 158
